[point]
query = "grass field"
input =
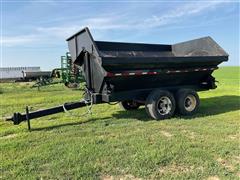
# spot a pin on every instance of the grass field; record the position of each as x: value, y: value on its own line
x: 115, y: 144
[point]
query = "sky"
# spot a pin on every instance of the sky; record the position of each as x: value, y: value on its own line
x: 34, y: 32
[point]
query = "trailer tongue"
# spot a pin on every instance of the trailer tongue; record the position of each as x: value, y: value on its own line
x: 163, y: 77
x: 17, y: 118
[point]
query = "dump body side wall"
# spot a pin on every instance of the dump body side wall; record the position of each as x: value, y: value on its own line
x: 120, y: 46
x: 140, y: 63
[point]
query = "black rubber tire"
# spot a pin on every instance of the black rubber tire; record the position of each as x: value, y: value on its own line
x: 181, y: 98
x: 129, y: 105
x: 152, y: 104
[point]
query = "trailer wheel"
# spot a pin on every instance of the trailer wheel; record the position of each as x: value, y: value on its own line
x: 187, y: 101
x: 129, y: 105
x: 160, y: 105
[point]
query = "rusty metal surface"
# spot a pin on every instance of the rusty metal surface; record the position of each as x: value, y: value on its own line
x: 199, y: 47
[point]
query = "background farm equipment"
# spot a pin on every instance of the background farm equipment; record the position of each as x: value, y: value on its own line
x: 69, y: 74
x: 34, y: 75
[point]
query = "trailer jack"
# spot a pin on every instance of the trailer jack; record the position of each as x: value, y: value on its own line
x: 17, y: 117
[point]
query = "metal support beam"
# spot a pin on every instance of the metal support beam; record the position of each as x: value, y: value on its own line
x: 27, y: 117
x: 17, y: 117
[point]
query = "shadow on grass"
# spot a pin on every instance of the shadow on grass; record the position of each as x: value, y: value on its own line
x: 217, y: 105
x: 208, y: 107
x: 68, y: 124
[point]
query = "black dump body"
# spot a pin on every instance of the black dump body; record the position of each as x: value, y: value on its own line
x: 118, y: 71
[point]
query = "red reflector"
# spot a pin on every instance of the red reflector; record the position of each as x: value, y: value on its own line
x: 125, y: 74
x: 109, y: 74
x: 151, y: 73
x: 138, y: 73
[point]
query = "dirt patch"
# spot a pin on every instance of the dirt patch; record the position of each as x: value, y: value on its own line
x: 9, y: 136
x: 226, y: 164
x: 213, y: 178
x: 175, y: 169
x: 189, y: 134
x: 107, y: 177
x: 192, y: 135
x: 167, y: 134
x: 120, y: 177
x: 237, y: 159
x: 233, y: 137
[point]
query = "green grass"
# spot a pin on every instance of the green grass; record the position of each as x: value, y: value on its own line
x: 116, y: 144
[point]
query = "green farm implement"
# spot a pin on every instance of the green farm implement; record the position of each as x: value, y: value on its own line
x: 69, y: 74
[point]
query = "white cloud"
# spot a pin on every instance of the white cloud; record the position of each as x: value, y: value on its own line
x: 58, y: 31
x: 181, y: 12
x: 18, y: 40
x: 112, y: 22
x: 104, y: 23
x: 98, y: 23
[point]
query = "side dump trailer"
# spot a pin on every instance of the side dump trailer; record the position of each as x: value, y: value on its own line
x: 164, y: 78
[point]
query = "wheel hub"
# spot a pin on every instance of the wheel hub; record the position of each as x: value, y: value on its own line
x: 190, y: 103
x: 164, y: 105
